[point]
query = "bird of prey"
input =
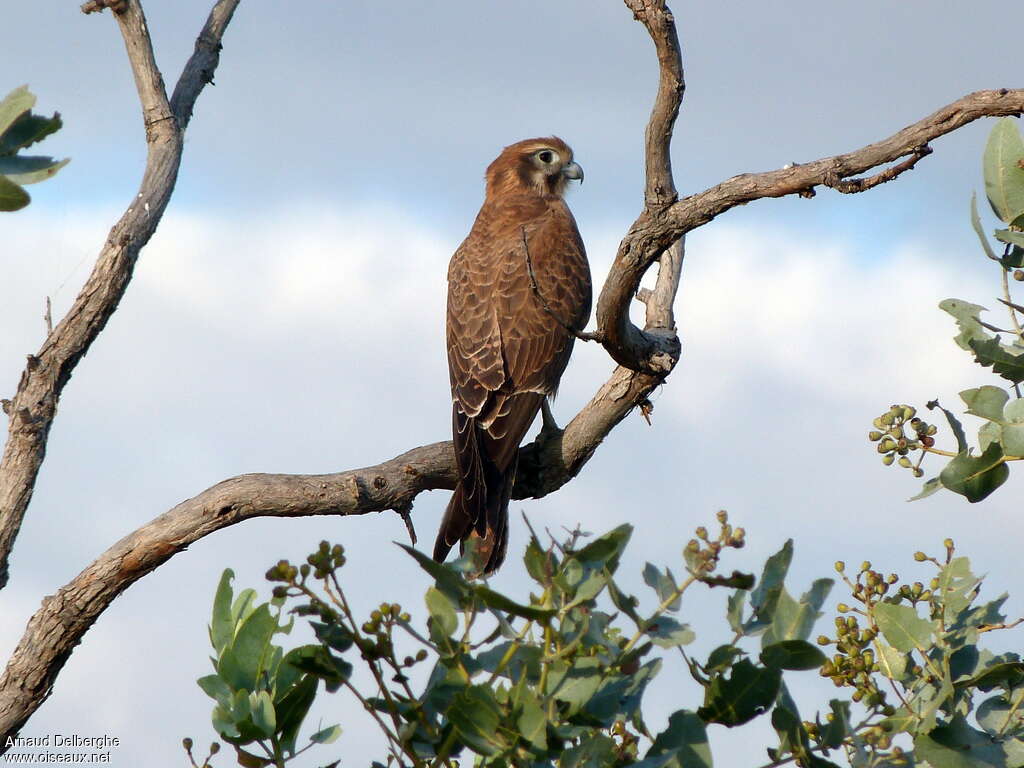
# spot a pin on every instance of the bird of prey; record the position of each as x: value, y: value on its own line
x: 518, y: 292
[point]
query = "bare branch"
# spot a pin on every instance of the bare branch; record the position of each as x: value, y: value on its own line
x: 653, y: 353
x: 852, y: 186
x: 198, y: 71
x: 696, y: 210
x: 656, y: 229
x: 44, y: 378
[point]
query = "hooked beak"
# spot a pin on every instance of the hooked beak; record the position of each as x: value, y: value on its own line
x: 573, y: 171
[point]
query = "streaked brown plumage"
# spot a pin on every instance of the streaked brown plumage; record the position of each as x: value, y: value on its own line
x: 507, y: 331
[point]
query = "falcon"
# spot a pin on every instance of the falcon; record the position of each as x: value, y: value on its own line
x: 518, y: 293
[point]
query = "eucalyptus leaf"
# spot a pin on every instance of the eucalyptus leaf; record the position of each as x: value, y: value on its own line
x: 30, y: 170
x: 221, y: 626
x: 986, y: 401
x: 796, y: 655
x: 975, y: 477
x: 902, y: 627
x: 966, y: 315
x: 1004, y: 178
x: 1005, y: 359
x: 976, y: 223
x: 13, y: 106
x: 957, y: 745
x: 929, y: 487
x: 12, y: 197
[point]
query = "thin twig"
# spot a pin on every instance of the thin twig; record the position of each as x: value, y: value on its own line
x: 853, y: 186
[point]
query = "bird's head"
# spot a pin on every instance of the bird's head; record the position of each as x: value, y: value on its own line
x: 536, y: 166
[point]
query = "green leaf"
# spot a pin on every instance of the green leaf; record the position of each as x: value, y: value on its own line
x: 748, y: 692
x: 1005, y: 675
x: 606, y: 549
x: 624, y: 602
x: 27, y: 130
x: 263, y: 715
x: 539, y: 564
x: 793, y: 620
x: 957, y: 745
x: 242, y: 608
x: 475, y: 715
x: 597, y: 751
x: 12, y: 197
x: 1004, y: 359
x: 524, y: 660
x: 221, y: 627
x: 891, y: 662
x: 666, y: 632
x: 214, y: 687
x: 664, y: 584
x: 976, y: 223
x: 576, y: 684
x: 685, y: 739
x: 987, y: 402
x: 1012, y: 439
x: 722, y: 658
x: 954, y: 424
x: 327, y: 735
x: 1004, y: 178
x: 834, y: 732
x: 765, y: 596
x: 447, y: 580
x: 967, y: 320
x: 532, y: 721
x: 929, y: 487
x: 14, y: 105
x: 498, y: 601
x: 249, y: 760
x: 975, y: 477
x: 956, y: 583
x: 734, y: 610
x: 902, y: 627
x: 618, y: 697
x: 30, y: 170
x: 224, y: 723
x: 292, y: 709
x: 1009, y: 236
x: 994, y: 714
x: 441, y: 611
x: 798, y: 655
x: 251, y: 647
x: 319, y: 662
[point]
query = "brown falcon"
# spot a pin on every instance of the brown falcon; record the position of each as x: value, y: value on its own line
x: 518, y: 290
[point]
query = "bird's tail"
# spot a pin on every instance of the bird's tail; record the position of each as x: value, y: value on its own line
x: 478, y: 510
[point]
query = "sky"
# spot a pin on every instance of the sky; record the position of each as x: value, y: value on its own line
x: 288, y: 314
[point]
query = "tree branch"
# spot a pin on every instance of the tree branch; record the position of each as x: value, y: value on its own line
x: 655, y: 353
x: 657, y: 228
x: 34, y: 405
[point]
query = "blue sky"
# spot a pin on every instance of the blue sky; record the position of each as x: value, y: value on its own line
x: 287, y: 316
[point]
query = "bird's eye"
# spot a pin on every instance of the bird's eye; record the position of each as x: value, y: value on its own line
x: 546, y: 156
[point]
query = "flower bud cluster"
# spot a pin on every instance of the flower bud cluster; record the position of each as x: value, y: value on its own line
x: 893, y: 438
x: 702, y: 553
